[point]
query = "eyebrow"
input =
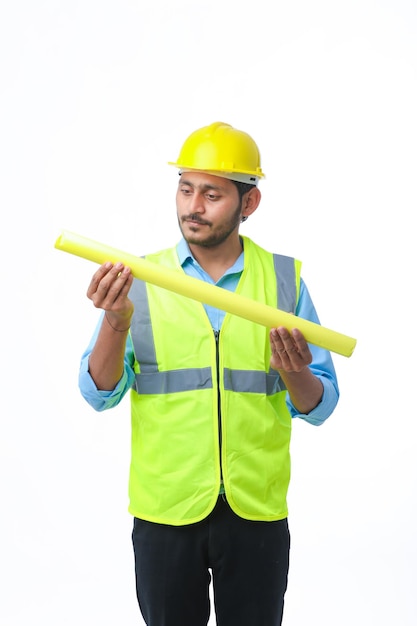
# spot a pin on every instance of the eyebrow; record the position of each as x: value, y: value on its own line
x: 204, y: 187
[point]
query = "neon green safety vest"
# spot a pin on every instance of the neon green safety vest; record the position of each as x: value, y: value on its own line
x: 207, y: 409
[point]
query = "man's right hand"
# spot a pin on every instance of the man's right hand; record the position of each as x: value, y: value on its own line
x: 109, y: 289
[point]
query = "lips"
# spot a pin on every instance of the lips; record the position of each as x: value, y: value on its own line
x: 193, y: 220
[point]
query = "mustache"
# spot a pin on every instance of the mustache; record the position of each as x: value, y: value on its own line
x: 194, y: 217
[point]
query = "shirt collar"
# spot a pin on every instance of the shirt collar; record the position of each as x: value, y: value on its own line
x: 185, y: 254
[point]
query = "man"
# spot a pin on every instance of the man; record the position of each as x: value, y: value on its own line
x: 212, y: 399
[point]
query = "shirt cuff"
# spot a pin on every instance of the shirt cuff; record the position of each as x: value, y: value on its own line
x: 323, y: 410
x: 98, y: 399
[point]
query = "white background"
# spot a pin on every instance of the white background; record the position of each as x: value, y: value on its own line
x: 95, y: 98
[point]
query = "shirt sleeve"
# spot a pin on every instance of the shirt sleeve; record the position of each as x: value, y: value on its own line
x: 102, y: 400
x: 321, y: 366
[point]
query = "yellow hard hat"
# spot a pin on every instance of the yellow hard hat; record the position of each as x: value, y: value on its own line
x: 222, y: 150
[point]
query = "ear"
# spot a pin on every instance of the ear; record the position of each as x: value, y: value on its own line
x: 250, y: 202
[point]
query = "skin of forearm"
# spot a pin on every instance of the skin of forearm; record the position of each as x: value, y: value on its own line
x: 304, y: 388
x: 106, y: 360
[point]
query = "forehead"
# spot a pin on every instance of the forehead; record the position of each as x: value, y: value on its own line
x: 204, y: 180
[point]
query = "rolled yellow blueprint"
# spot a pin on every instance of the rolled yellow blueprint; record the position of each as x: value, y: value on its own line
x: 204, y: 292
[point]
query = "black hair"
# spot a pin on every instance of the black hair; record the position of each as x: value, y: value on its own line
x: 242, y: 188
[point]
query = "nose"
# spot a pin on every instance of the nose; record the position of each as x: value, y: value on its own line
x: 196, y: 203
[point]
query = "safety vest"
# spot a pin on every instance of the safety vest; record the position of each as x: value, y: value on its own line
x: 206, y: 407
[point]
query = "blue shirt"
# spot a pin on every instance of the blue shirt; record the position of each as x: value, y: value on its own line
x: 322, y: 364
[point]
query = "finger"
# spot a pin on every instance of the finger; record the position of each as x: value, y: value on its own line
x: 112, y: 286
x: 97, y: 277
x: 302, y: 346
x: 128, y: 280
x: 287, y: 339
x: 276, y: 340
x: 279, y: 355
x: 285, y: 354
x: 114, y: 283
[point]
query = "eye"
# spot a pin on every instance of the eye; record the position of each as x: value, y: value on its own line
x: 212, y: 197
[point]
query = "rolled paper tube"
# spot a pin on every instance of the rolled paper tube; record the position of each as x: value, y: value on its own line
x: 195, y: 289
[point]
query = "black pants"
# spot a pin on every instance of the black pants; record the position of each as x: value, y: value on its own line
x: 248, y: 561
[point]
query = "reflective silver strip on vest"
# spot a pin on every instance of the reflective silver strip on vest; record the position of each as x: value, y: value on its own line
x: 253, y: 381
x: 151, y: 381
x: 286, y: 288
x: 141, y: 328
x: 243, y: 381
x: 174, y: 381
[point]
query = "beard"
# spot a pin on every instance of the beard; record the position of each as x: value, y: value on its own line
x: 215, y: 235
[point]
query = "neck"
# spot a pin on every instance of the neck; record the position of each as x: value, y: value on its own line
x: 216, y: 260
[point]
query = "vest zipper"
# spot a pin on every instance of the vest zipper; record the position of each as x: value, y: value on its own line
x: 219, y: 413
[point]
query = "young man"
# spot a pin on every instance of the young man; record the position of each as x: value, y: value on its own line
x: 212, y: 400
